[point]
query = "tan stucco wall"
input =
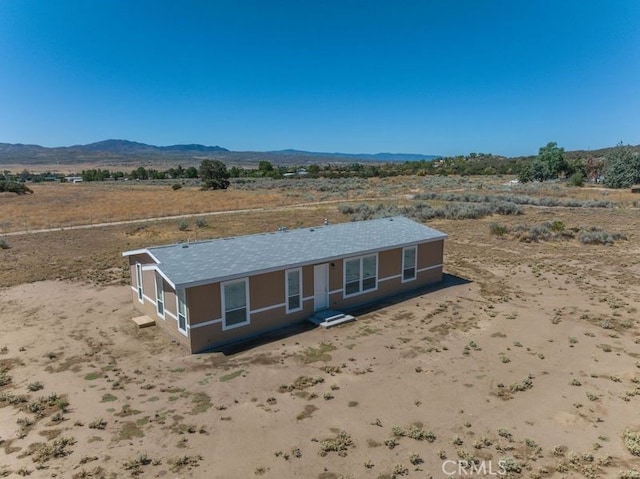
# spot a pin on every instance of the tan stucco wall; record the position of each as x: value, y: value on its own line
x: 430, y: 254
x: 265, y: 290
x: 203, y: 303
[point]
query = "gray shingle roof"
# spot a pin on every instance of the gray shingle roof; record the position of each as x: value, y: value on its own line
x: 227, y: 258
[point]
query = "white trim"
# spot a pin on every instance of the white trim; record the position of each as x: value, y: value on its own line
x: 286, y: 289
x: 336, y: 291
x: 430, y: 267
x: 232, y: 277
x: 184, y: 331
x: 134, y: 288
x: 390, y: 278
x: 156, y: 268
x: 321, y: 296
x: 206, y: 323
x: 158, y: 299
x: 360, y: 259
x: 267, y: 308
x: 170, y: 314
x: 141, y: 251
x: 139, y: 283
x: 246, y: 304
x: 309, y: 298
x: 415, y: 263
x: 152, y: 301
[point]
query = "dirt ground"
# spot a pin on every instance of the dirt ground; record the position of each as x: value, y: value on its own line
x: 528, y: 353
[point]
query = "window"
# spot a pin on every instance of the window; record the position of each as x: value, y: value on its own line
x: 182, y: 311
x: 139, y: 281
x: 294, y: 290
x: 235, y: 303
x: 409, y: 263
x: 360, y: 275
x: 160, y: 295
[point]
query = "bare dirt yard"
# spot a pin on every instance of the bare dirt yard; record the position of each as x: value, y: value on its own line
x: 524, y: 362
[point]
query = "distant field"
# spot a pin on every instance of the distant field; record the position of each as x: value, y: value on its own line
x: 64, y: 205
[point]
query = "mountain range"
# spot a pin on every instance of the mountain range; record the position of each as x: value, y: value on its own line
x: 124, y: 151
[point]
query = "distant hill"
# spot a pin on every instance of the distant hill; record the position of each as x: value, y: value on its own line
x: 120, y: 152
x: 379, y: 157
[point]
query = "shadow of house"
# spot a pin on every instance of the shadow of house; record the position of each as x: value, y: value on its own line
x: 448, y: 281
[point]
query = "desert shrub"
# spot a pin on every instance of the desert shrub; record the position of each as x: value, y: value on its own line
x: 35, y: 386
x: 510, y: 465
x: 526, y: 383
x: 201, y: 223
x: 597, y: 236
x: 632, y: 441
x: 176, y: 186
x: 98, y: 423
x: 536, y: 233
x: 183, y: 225
x: 506, y: 208
x: 557, y: 226
x: 59, y: 448
x: 339, y: 444
x: 498, y: 229
x: 548, y: 201
x: 4, y: 378
x: 577, y: 179
x: 4, y: 244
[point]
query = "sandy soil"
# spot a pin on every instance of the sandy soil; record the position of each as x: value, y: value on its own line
x: 530, y: 352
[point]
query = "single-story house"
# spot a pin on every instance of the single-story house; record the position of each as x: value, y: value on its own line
x: 209, y: 293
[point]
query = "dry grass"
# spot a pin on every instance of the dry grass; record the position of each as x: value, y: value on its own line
x: 63, y: 205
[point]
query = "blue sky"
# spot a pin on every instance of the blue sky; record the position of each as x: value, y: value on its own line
x: 434, y: 77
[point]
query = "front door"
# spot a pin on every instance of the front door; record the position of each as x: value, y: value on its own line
x: 320, y: 287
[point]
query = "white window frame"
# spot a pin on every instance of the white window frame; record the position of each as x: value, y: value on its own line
x: 181, y: 297
x: 415, y: 263
x: 139, y: 282
x: 286, y: 286
x: 226, y: 327
x: 160, y: 298
x: 360, y: 260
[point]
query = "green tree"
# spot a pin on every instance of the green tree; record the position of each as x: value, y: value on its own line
x: 622, y: 167
x: 265, y: 168
x: 214, y: 175
x: 15, y: 187
x: 552, y: 157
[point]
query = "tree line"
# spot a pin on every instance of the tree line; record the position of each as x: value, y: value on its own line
x: 620, y: 168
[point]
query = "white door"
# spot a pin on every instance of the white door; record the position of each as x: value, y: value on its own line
x: 320, y: 287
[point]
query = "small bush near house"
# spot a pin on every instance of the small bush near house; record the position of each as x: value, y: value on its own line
x: 176, y: 186
x: 183, y: 225
x: 4, y: 244
x: 201, y: 223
